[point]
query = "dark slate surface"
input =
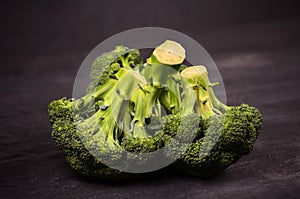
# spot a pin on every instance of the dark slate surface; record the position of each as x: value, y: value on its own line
x: 255, y: 45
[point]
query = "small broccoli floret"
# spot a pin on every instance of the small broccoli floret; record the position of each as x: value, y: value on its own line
x: 60, y: 109
x: 186, y: 128
x: 105, y: 66
x: 144, y: 145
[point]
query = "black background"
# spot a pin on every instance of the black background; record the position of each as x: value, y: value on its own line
x: 254, y: 43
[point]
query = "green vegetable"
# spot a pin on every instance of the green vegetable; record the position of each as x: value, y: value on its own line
x: 121, y: 111
x: 106, y: 65
x: 140, y: 108
x: 225, y: 133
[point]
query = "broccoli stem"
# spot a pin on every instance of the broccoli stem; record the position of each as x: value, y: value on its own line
x: 100, y: 125
x: 103, y: 112
x: 98, y: 94
x: 169, y: 52
x: 125, y: 62
x: 144, y: 105
x: 197, y: 83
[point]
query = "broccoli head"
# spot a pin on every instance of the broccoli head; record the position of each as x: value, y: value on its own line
x: 132, y: 109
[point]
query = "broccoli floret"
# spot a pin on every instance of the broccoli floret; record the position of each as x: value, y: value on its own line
x: 106, y: 65
x: 226, y: 132
x: 186, y: 128
x: 226, y: 138
x: 122, y: 113
x: 68, y: 141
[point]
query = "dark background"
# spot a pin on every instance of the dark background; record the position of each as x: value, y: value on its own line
x: 254, y: 43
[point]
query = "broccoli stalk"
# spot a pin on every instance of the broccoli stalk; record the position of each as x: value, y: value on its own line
x: 196, y: 82
x: 169, y: 53
x: 117, y: 102
x: 163, y: 68
x: 161, y: 90
x: 145, y: 106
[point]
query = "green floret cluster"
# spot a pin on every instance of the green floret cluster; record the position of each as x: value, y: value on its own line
x: 107, y: 64
x: 225, y: 139
x: 132, y: 109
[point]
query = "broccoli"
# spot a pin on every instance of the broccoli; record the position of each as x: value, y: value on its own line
x: 68, y: 141
x: 141, y: 108
x: 225, y: 133
x: 106, y: 65
x: 121, y: 111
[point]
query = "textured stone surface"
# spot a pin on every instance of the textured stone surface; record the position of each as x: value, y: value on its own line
x: 258, y: 57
